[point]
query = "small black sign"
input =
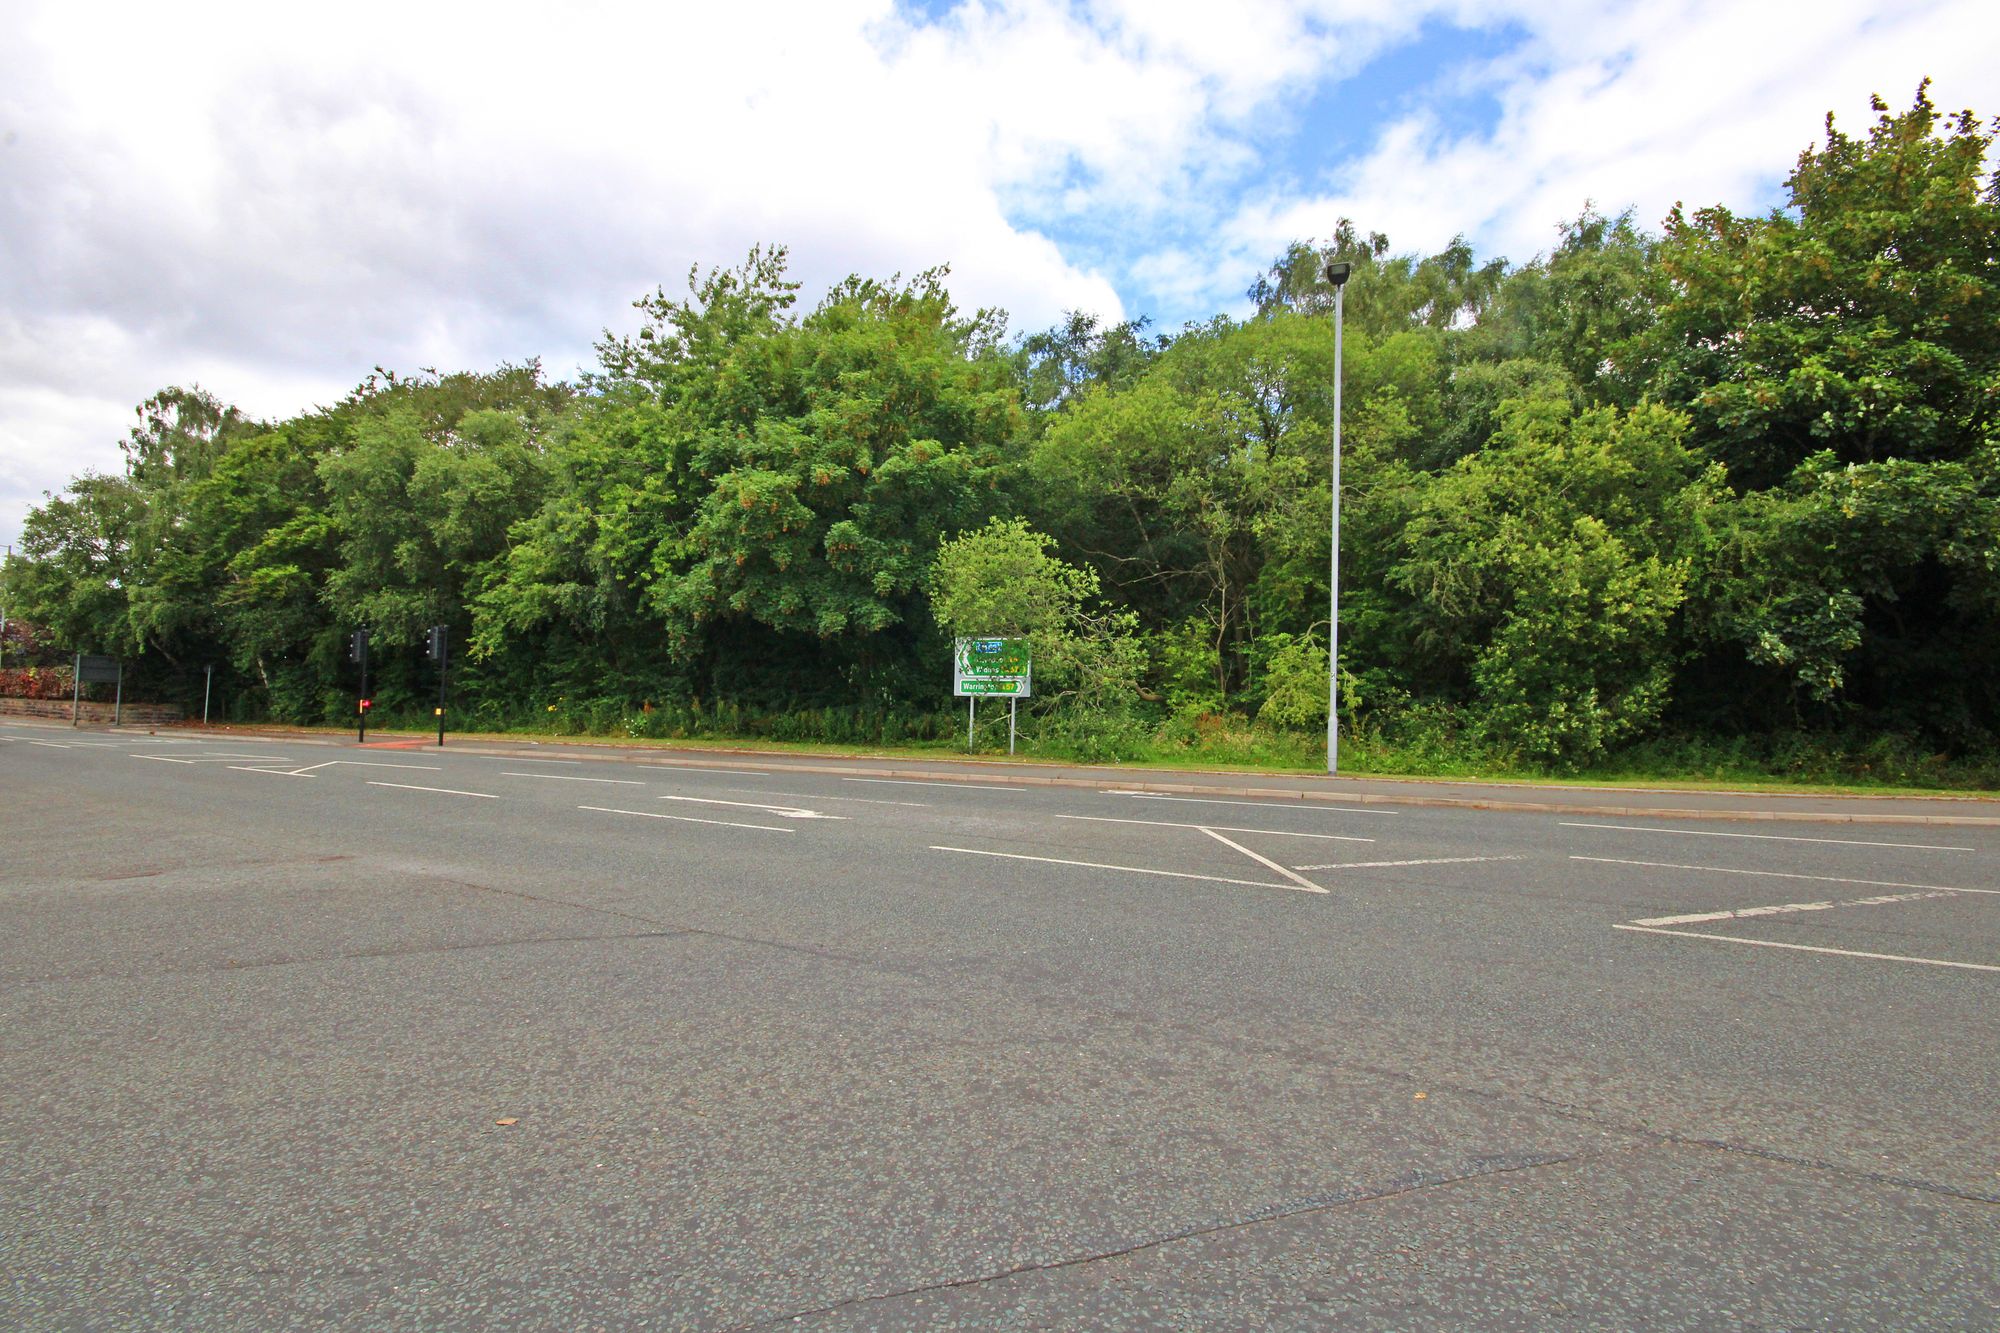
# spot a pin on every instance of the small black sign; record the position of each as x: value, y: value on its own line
x: 94, y: 669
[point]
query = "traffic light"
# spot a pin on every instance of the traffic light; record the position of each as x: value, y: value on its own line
x: 437, y: 643
x: 357, y: 647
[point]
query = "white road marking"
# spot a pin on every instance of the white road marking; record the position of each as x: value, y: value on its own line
x: 1771, y: 837
x: 53, y: 745
x: 271, y: 772
x: 216, y: 758
x: 513, y: 759
x: 784, y: 811
x: 1264, y: 861
x: 570, y: 777
x: 1422, y: 861
x: 1783, y: 874
x: 685, y: 819
x: 442, y: 791
x: 1135, y: 870
x: 369, y: 763
x: 1780, y: 909
x: 1226, y: 828
x: 917, y: 782
x: 1261, y: 805
x: 726, y: 772
x: 1811, y: 948
x: 823, y: 796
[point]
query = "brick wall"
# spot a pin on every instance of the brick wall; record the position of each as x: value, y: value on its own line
x: 133, y: 715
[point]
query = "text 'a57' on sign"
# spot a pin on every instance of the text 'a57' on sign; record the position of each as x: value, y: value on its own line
x: 986, y: 668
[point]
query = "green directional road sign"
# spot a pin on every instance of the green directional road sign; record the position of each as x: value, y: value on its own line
x: 988, y: 668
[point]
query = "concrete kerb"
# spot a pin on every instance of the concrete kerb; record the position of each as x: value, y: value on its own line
x: 1128, y: 781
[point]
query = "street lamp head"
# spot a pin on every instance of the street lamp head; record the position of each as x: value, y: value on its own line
x: 1337, y: 273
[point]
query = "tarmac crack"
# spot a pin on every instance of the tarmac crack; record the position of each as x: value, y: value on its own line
x: 1318, y: 1204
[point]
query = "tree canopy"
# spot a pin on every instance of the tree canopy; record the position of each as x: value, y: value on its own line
x: 1740, y: 474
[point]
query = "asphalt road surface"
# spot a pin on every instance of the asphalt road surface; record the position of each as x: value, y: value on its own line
x: 300, y: 1035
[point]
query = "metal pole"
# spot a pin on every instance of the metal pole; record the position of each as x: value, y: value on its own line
x: 361, y: 735
x: 207, y: 687
x: 1012, y: 704
x: 75, y: 687
x: 1333, y: 624
x: 118, y: 700
x: 442, y: 652
x: 971, y: 715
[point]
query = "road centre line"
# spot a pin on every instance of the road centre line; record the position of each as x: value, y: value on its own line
x: 570, y: 777
x: 1780, y: 909
x: 1770, y: 837
x: 822, y: 796
x: 1784, y: 874
x: 1264, y: 861
x: 685, y: 819
x: 914, y: 782
x: 269, y: 772
x: 1260, y: 805
x: 1226, y: 828
x: 1134, y: 870
x: 726, y: 772
x: 443, y: 791
x: 1421, y: 861
x: 1810, y: 948
x: 58, y: 745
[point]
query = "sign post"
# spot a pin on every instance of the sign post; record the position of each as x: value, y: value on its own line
x: 96, y: 669
x: 991, y: 668
x: 207, y: 688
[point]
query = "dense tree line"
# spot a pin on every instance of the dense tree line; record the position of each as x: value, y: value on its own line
x: 1739, y: 476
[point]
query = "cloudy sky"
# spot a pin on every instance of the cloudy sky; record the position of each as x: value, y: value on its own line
x: 269, y: 200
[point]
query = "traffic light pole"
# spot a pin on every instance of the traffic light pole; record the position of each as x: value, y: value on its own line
x: 442, y: 652
x: 361, y: 704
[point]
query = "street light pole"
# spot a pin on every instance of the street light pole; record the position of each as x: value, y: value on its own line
x: 1337, y: 274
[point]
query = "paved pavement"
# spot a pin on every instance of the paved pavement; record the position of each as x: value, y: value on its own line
x: 299, y: 1035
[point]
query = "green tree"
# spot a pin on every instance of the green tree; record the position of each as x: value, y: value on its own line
x: 1543, y: 574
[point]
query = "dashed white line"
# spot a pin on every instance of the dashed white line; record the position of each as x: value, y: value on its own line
x: 1782, y: 874
x: 53, y: 745
x: 569, y: 777
x: 1810, y: 948
x: 918, y: 782
x: 442, y: 791
x: 1260, y: 805
x: 1421, y: 861
x: 1226, y: 828
x: 1133, y: 870
x: 1770, y: 837
x: 726, y: 772
x: 685, y: 819
x: 270, y: 772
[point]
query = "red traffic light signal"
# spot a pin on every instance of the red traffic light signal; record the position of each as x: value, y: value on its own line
x: 367, y: 704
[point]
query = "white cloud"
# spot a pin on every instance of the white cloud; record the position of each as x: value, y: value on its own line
x: 1642, y: 106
